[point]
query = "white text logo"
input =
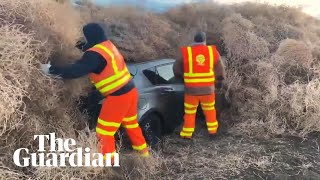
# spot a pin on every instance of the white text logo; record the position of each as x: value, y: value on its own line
x: 62, y: 153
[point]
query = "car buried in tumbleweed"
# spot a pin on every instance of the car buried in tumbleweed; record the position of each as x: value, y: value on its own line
x: 161, y: 99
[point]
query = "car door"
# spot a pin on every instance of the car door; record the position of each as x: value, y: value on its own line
x: 172, y: 92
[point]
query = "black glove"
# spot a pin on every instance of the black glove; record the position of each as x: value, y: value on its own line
x: 220, y: 78
x: 80, y: 44
x: 218, y: 85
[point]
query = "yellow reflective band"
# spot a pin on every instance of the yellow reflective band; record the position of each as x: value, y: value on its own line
x: 185, y: 134
x: 208, y: 104
x: 190, y: 111
x: 211, y: 57
x: 139, y: 148
x: 116, y: 84
x: 101, y: 83
x: 189, y: 105
x: 209, y: 74
x: 188, y: 129
x: 212, y: 124
x: 212, y: 129
x: 199, y: 80
x: 131, y: 126
x: 114, y: 152
x: 105, y: 123
x: 112, y: 155
x: 208, y: 108
x: 127, y: 119
x: 146, y: 154
x: 106, y: 133
x: 114, y: 65
x: 190, y: 60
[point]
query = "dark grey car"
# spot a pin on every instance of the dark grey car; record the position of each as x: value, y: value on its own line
x: 161, y: 98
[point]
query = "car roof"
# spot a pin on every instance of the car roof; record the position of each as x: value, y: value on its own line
x: 151, y: 63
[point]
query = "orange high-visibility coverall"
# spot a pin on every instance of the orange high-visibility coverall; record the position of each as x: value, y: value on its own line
x: 116, y: 110
x: 199, y: 61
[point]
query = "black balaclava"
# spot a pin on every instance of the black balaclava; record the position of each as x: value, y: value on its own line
x: 94, y: 34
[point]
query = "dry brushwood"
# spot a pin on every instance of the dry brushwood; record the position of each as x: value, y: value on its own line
x: 272, y: 57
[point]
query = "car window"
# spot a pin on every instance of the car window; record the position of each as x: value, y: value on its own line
x: 162, y: 74
x: 151, y: 75
x: 165, y: 72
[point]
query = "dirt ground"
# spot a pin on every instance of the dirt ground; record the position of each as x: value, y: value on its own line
x: 236, y: 157
x: 230, y: 156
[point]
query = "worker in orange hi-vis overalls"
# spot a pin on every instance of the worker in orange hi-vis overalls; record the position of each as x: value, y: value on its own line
x: 108, y: 72
x: 201, y: 69
x: 116, y: 110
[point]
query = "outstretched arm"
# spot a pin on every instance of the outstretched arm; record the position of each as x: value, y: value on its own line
x: 90, y: 62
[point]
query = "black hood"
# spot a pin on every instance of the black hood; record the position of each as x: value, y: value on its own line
x: 95, y: 34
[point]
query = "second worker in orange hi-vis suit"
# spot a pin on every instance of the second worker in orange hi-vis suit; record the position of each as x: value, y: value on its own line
x: 108, y: 72
x: 201, y: 68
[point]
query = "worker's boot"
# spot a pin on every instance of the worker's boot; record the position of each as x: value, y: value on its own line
x: 181, y: 136
x: 145, y: 153
x: 112, y: 159
x: 184, y: 140
x: 187, y: 138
